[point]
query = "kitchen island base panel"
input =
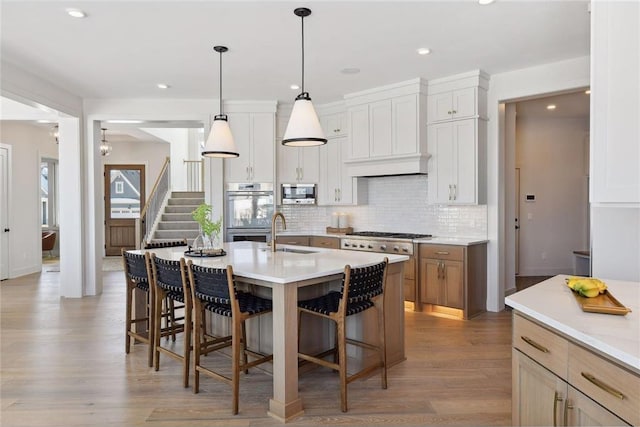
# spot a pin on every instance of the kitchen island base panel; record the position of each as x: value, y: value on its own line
x: 285, y: 412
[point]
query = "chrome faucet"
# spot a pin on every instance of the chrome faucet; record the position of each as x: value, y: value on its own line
x: 273, y: 228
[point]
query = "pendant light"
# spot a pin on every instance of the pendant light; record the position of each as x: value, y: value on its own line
x: 105, y: 147
x: 220, y: 141
x: 304, y: 128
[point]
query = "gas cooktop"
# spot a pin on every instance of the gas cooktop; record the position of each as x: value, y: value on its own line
x: 388, y: 235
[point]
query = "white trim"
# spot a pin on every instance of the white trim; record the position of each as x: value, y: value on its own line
x: 8, y: 273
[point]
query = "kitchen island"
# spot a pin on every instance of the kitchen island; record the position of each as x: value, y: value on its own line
x: 283, y: 275
x: 571, y: 365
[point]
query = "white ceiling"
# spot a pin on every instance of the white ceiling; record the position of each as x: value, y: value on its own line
x: 122, y: 49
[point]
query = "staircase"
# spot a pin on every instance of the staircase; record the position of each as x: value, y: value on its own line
x: 176, y: 221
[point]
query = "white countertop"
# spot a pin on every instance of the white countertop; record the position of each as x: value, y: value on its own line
x: 256, y: 261
x: 552, y: 303
x: 458, y: 241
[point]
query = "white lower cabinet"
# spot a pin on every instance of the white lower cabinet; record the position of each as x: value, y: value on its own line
x: 336, y: 186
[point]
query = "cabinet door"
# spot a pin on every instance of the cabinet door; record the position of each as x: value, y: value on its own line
x: 464, y: 103
x: 333, y: 125
x: 288, y: 164
x: 405, y: 124
x: 440, y: 107
x: 358, y: 117
x: 464, y: 162
x: 263, y: 147
x: 331, y: 162
x: 380, y: 128
x: 430, y: 281
x: 582, y: 411
x: 309, y: 164
x: 453, y: 277
x: 293, y: 240
x: 347, y: 183
x: 237, y: 169
x: 538, y: 395
x: 324, y: 242
x: 441, y: 173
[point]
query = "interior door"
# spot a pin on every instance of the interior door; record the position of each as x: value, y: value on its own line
x: 517, y: 234
x: 124, y: 197
x: 4, y: 213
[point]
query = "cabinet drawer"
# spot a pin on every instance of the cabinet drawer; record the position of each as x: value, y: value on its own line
x: 324, y: 242
x: 542, y: 345
x: 293, y: 240
x: 445, y: 252
x: 610, y: 385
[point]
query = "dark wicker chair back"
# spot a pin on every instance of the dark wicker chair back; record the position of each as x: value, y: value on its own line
x: 135, y: 267
x: 168, y: 274
x: 364, y: 282
x: 211, y: 284
x: 165, y: 244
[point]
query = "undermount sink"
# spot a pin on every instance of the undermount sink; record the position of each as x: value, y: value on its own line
x: 294, y: 251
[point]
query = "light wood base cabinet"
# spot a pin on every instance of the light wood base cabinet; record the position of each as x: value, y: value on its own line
x: 551, y: 385
x: 452, y: 279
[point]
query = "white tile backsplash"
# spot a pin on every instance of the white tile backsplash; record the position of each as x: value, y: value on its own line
x: 397, y: 204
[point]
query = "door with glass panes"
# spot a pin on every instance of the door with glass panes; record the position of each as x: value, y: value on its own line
x: 124, y: 199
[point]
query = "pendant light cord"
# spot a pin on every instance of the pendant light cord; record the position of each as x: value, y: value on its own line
x: 221, y: 113
x: 302, y: 19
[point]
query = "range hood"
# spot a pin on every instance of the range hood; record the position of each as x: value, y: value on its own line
x: 412, y: 164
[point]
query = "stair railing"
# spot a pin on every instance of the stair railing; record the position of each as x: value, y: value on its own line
x: 195, y: 175
x: 153, y: 205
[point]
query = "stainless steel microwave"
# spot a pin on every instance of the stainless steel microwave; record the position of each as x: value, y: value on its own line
x: 299, y: 194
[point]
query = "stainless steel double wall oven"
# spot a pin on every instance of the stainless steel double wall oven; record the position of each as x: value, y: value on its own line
x: 249, y: 208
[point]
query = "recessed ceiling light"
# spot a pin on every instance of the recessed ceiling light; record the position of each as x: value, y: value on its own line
x: 423, y: 51
x: 485, y: 2
x: 163, y: 86
x: 588, y: 91
x: 350, y: 70
x: 76, y: 13
x: 294, y: 87
x: 551, y: 107
x: 45, y: 121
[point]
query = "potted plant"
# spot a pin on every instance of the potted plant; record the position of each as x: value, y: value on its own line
x: 209, y: 231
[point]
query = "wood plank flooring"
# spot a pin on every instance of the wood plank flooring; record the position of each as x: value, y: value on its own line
x: 62, y: 363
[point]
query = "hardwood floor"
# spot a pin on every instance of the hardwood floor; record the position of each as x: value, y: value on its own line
x: 63, y: 364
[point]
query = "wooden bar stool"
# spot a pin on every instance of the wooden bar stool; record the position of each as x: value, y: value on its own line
x: 214, y: 290
x: 136, y: 273
x: 362, y: 289
x: 169, y: 280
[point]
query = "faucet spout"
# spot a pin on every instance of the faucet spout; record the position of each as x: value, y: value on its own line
x: 273, y: 228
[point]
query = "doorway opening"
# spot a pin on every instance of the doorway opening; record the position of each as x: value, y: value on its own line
x: 549, y: 144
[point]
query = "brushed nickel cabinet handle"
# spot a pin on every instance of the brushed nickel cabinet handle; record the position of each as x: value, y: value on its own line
x: 534, y: 344
x: 593, y: 380
x: 442, y: 252
x: 567, y: 406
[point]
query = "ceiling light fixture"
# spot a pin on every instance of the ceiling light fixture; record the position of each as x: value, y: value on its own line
x: 105, y: 147
x: 551, y: 107
x: 350, y: 70
x: 303, y: 129
x: 76, y: 13
x: 588, y: 91
x: 294, y: 87
x: 423, y: 51
x: 220, y: 141
x: 124, y: 121
x: 163, y: 86
x: 485, y: 2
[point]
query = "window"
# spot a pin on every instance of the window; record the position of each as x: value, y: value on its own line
x: 119, y: 187
x: 49, y: 192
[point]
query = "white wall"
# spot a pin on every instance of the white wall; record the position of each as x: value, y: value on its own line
x: 29, y: 144
x: 178, y: 141
x: 550, y: 153
x: 513, y: 85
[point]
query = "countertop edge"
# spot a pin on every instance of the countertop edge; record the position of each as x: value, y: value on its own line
x: 456, y: 241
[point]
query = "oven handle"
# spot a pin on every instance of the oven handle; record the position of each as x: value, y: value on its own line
x: 249, y: 193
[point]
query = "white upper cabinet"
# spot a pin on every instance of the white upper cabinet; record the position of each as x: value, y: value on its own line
x: 387, y: 130
x: 457, y: 139
x: 615, y: 104
x: 298, y: 164
x: 334, y: 124
x: 455, y: 104
x: 254, y: 135
x: 336, y: 186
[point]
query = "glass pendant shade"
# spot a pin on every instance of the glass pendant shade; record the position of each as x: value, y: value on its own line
x: 105, y: 147
x: 304, y: 128
x: 220, y: 141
